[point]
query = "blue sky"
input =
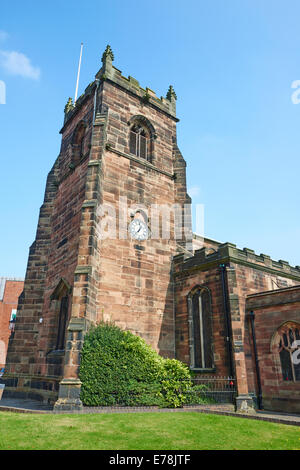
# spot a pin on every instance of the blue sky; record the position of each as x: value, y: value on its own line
x: 232, y: 64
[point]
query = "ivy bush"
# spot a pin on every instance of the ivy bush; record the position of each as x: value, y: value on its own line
x: 120, y: 368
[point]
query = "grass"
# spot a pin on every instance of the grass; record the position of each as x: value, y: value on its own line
x: 143, y: 431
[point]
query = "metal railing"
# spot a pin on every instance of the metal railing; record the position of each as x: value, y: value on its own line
x: 214, y: 389
x: 197, y: 390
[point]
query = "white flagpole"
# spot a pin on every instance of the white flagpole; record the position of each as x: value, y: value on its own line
x: 78, y: 73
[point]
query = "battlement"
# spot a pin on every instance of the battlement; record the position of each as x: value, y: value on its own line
x: 228, y: 252
x: 109, y: 72
x: 71, y: 109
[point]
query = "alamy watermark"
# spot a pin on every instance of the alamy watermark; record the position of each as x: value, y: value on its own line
x: 296, y: 95
x: 2, y: 92
x: 142, y: 222
x: 296, y: 353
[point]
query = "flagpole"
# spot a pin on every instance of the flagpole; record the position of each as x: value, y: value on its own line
x: 78, y: 73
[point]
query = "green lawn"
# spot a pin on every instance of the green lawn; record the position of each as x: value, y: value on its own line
x: 142, y: 431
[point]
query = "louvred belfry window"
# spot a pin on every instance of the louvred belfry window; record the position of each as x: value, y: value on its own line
x: 139, y: 142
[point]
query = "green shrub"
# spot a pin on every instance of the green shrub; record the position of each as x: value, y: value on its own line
x: 176, y: 382
x: 196, y: 395
x: 120, y: 368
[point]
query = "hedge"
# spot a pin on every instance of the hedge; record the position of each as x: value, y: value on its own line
x: 120, y: 368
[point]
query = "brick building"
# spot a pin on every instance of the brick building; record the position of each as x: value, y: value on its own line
x: 114, y: 242
x: 10, y: 290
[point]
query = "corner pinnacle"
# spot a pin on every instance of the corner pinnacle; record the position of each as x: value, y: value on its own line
x: 171, y: 94
x: 69, y: 106
x: 108, y: 53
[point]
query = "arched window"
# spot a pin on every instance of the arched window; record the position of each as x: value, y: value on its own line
x: 288, y: 347
x: 61, y: 297
x: 141, y: 137
x: 62, y: 323
x: 200, y: 329
x: 139, y: 143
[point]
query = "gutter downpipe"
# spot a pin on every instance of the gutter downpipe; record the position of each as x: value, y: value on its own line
x: 259, y: 389
x: 97, y: 81
x: 227, y: 320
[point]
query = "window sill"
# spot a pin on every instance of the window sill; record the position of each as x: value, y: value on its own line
x: 141, y: 161
x: 289, y: 382
x: 144, y: 159
x: 203, y: 371
x: 56, y: 352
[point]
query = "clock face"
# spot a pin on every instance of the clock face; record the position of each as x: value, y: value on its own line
x: 138, y: 230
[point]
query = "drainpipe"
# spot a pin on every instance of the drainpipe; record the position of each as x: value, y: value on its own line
x: 257, y: 370
x: 227, y: 319
x: 97, y: 81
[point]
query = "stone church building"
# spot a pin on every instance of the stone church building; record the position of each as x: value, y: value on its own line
x: 222, y: 310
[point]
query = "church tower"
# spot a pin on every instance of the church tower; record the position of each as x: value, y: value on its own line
x: 115, y: 212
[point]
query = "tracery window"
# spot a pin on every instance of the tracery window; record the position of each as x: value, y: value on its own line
x: 201, y: 356
x: 139, y: 141
x: 289, y: 351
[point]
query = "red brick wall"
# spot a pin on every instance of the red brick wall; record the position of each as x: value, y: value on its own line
x: 9, y: 302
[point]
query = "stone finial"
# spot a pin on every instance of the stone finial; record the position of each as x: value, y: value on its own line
x: 108, y: 53
x: 69, y: 106
x: 171, y: 95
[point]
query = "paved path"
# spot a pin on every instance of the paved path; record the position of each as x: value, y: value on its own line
x: 31, y: 406
x: 24, y: 405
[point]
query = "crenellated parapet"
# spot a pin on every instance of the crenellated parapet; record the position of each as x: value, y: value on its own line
x: 108, y: 72
x: 71, y: 109
x: 205, y: 258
